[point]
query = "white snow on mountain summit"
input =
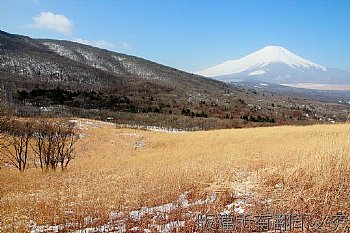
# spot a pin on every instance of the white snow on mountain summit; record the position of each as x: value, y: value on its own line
x: 259, y: 59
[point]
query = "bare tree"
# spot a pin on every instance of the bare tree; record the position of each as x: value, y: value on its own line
x: 54, y: 143
x: 67, y: 137
x: 4, y: 119
x: 15, y: 142
x: 44, y: 143
x: 2, y: 143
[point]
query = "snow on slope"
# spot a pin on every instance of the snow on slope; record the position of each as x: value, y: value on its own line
x: 258, y: 72
x: 260, y: 59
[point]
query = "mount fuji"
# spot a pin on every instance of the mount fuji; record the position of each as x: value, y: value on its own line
x: 275, y: 64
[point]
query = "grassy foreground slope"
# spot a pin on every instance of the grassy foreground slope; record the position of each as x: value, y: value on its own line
x: 279, y: 169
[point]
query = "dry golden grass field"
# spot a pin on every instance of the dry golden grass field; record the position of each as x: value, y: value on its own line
x: 119, y: 174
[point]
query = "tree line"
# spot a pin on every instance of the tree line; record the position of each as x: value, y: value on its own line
x: 49, y: 144
x: 258, y: 119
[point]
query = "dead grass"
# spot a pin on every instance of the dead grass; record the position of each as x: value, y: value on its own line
x: 299, y: 168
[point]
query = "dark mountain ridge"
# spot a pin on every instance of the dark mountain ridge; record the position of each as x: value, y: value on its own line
x: 65, y: 62
x: 64, y: 78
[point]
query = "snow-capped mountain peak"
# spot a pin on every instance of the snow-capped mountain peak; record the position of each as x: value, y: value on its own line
x: 280, y: 54
x: 259, y: 59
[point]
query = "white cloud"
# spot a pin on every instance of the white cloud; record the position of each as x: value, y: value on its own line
x: 51, y: 21
x: 104, y: 44
x: 100, y: 43
x: 126, y: 45
x: 82, y: 41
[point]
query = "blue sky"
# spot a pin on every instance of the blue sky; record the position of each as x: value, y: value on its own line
x: 190, y: 34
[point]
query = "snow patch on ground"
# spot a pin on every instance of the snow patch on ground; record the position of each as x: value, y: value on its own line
x: 117, y: 220
x: 169, y: 227
x: 152, y: 128
x: 83, y: 124
x: 131, y: 134
x: 243, y: 192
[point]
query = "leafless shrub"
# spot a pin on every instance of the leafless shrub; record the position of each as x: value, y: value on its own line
x: 54, y: 144
x: 49, y: 143
x: 15, y: 141
x: 67, y: 137
x: 44, y: 144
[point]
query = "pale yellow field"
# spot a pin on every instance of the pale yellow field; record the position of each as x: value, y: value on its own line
x: 304, y: 168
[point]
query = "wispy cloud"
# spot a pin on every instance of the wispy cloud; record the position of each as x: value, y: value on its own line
x: 103, y: 44
x: 50, y: 21
x: 82, y: 41
x: 126, y: 45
